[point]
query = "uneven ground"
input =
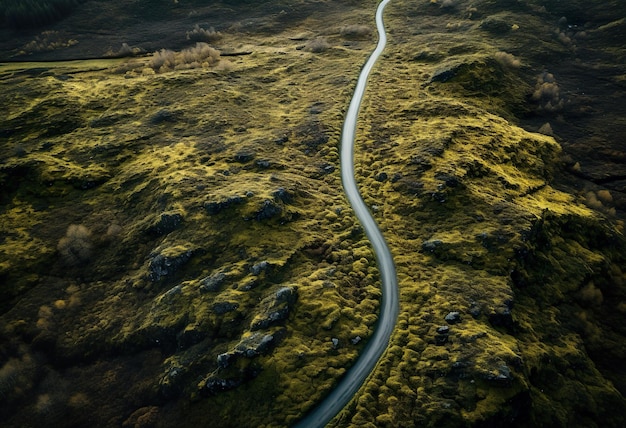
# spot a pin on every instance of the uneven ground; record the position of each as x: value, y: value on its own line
x: 175, y: 246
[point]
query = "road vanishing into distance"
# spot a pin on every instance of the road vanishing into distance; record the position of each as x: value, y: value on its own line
x: 389, y: 308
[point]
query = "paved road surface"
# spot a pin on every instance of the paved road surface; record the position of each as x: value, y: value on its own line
x: 356, y: 376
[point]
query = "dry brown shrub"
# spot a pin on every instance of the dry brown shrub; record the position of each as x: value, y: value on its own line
x: 507, y: 60
x: 356, y: 31
x: 76, y: 246
x: 199, y: 34
x: 200, y: 56
x: 317, y: 45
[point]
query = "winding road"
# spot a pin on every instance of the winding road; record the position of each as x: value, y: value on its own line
x: 358, y: 373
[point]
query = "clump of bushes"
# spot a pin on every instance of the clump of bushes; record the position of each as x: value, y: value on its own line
x: 199, y: 34
x: 76, y: 246
x: 356, y: 32
x: 124, y: 51
x: 547, y: 94
x: 200, y: 56
x: 48, y: 41
x: 317, y: 45
x: 507, y: 60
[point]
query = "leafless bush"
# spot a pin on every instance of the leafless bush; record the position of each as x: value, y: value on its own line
x: 317, y: 45
x: 199, y: 34
x: 356, y: 31
x: 448, y: 4
x: 75, y: 247
x: 547, y: 93
x: 508, y: 60
x: 48, y: 41
x: 200, y: 56
x: 124, y: 51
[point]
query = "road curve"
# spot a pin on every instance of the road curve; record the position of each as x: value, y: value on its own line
x: 355, y: 377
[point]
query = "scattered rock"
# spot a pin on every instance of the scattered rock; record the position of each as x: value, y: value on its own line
x: 215, y: 385
x: 335, y: 342
x: 171, y: 293
x: 243, y: 157
x: 254, y: 345
x: 432, y: 245
x: 381, y: 177
x: 453, y: 318
x: 165, y: 223
x: 396, y: 177
x: 282, y: 195
x: 268, y: 210
x: 275, y: 308
x: 327, y: 168
x: 502, y: 375
x: 448, y: 180
x: 281, y: 140
x: 355, y: 340
x: 259, y: 267
x: 220, y: 308
x: 459, y: 368
x: 213, y: 207
x: 444, y: 329
x: 421, y: 162
x: 223, y: 360
x: 162, y: 265
x: 171, y: 384
x: 251, y: 284
x: 443, y: 75
x: 251, y: 346
x: 439, y: 197
x: 313, y: 135
x: 212, y: 282
x: 163, y: 116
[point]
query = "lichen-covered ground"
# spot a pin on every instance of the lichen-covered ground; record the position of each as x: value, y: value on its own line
x: 176, y: 250
x: 512, y: 284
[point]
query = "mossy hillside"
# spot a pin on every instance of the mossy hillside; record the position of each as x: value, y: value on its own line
x: 203, y: 194
x: 461, y: 195
x: 212, y: 200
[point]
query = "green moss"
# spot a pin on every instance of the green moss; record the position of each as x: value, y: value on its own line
x: 207, y: 192
x: 463, y: 192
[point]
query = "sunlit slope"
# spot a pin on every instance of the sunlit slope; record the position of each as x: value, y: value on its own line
x: 184, y: 215
x: 511, y: 289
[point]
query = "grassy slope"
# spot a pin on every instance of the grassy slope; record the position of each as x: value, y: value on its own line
x: 467, y: 207
x: 181, y: 165
x: 116, y: 154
